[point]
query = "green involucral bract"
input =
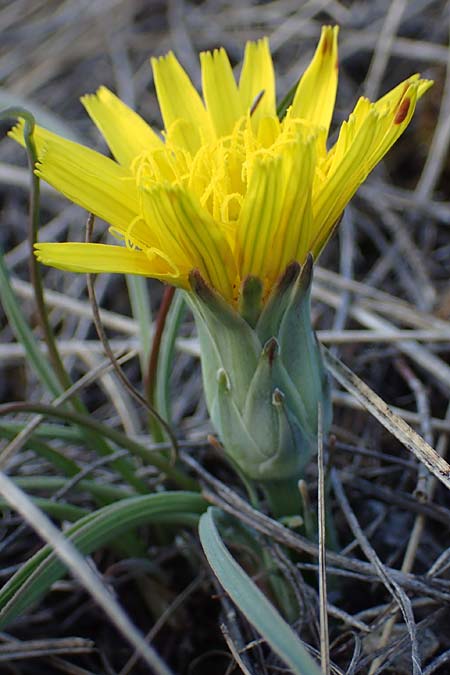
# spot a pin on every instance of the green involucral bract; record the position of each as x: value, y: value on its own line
x: 263, y: 374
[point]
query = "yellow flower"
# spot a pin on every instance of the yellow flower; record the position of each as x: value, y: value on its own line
x: 229, y: 190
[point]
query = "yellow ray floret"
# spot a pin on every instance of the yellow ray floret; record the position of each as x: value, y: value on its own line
x: 124, y: 130
x: 316, y: 91
x: 181, y: 106
x: 258, y: 76
x: 227, y: 188
x: 95, y: 258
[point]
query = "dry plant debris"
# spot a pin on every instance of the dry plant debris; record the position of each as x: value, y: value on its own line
x: 381, y: 304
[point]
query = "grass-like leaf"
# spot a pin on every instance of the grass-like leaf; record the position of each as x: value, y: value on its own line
x: 89, y: 533
x: 59, y: 510
x: 104, y: 492
x: 24, y: 334
x: 43, y: 449
x: 167, y: 350
x: 106, y: 432
x: 141, y: 311
x: 9, y: 428
x: 42, y: 367
x: 252, y: 602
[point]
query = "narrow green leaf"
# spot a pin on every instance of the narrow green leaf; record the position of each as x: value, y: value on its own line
x: 252, y: 602
x: 22, y: 331
x: 101, y: 491
x: 141, y: 311
x: 171, y: 328
x: 121, y: 439
x: 64, y: 464
x: 44, y: 430
x: 284, y: 104
x: 45, y: 373
x: 88, y: 534
x: 59, y: 510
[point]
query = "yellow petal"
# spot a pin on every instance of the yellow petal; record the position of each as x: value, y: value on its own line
x: 296, y: 230
x: 258, y: 218
x: 191, y: 236
x: 364, y: 145
x: 395, y: 122
x: 41, y: 136
x: 347, y: 135
x: 90, y: 180
x: 339, y: 188
x: 258, y: 76
x: 393, y: 96
x: 124, y: 217
x: 95, y: 258
x: 316, y: 92
x: 274, y: 227
x: 268, y: 131
x: 178, y: 99
x: 220, y: 91
x: 124, y: 130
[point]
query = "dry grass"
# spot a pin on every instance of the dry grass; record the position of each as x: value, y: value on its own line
x: 381, y: 302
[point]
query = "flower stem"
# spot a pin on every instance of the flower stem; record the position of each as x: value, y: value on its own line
x: 283, y: 497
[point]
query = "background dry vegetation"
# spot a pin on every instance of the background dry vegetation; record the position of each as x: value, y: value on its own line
x: 384, y: 275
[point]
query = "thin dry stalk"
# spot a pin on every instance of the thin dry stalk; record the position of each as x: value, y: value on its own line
x: 321, y: 515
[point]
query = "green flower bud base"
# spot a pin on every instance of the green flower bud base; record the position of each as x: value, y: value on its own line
x: 264, y: 379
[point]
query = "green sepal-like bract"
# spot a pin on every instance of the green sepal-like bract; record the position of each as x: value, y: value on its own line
x: 263, y: 374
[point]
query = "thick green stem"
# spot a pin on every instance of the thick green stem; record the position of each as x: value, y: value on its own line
x: 283, y: 497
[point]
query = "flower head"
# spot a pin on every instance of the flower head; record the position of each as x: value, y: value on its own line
x: 229, y: 189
